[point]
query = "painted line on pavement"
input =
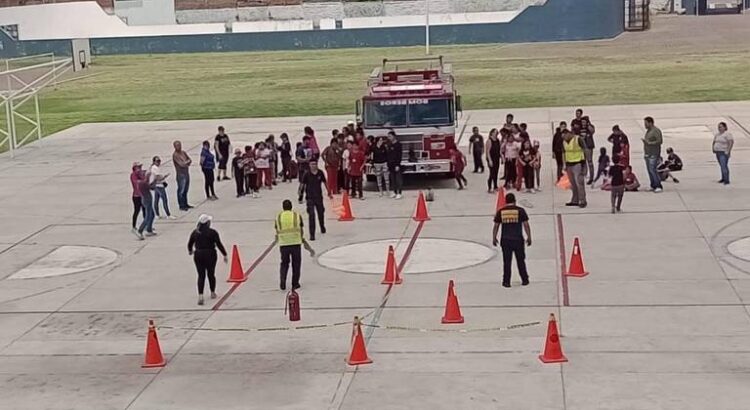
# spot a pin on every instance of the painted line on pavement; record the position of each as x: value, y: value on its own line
x: 249, y: 270
x: 563, y: 267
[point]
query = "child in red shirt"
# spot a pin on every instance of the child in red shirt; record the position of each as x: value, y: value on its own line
x: 458, y: 161
x: 356, y: 169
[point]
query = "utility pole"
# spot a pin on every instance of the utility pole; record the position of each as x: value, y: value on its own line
x: 427, y: 27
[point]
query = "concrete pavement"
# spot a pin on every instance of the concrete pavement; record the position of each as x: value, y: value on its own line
x: 662, y: 321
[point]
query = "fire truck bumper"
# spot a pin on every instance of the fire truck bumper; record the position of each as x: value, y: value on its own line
x: 421, y: 167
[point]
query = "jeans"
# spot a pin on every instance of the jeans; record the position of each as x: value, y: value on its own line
x: 616, y: 197
x: 316, y: 206
x: 723, y: 159
x: 293, y: 254
x: 381, y: 173
x: 577, y: 176
x: 510, y: 248
x: 588, y: 153
x: 161, y: 193
x: 653, y: 174
x: 148, y: 218
x: 183, y: 185
x: 397, y: 180
x: 137, y: 207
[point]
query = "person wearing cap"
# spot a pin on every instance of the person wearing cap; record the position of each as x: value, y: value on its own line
x: 289, y: 237
x: 238, y: 172
x: 202, y: 245
x: 135, y: 176
x: 514, y: 221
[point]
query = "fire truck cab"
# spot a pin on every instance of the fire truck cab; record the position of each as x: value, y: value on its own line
x: 420, y: 106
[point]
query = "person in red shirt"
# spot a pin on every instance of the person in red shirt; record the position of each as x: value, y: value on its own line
x: 356, y: 169
x: 458, y: 161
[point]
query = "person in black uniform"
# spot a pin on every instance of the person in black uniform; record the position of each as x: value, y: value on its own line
x: 222, y: 145
x: 514, y: 221
x: 313, y: 185
x: 202, y: 245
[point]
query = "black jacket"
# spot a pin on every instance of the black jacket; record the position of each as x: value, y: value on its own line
x: 395, y: 155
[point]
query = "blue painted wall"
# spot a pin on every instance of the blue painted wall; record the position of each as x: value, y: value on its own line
x: 557, y: 20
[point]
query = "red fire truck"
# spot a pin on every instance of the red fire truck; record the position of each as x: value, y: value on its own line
x: 420, y: 106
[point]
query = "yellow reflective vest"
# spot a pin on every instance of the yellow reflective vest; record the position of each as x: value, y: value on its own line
x: 288, y: 228
x: 573, y: 151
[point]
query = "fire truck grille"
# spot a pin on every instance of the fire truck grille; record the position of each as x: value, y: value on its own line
x: 411, y: 142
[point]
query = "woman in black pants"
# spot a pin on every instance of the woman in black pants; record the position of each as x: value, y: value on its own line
x: 205, y: 241
x: 493, y: 160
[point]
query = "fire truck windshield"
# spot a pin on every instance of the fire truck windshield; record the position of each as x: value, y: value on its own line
x: 408, y: 112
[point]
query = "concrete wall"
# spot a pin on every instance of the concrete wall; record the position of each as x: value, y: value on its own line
x: 145, y: 12
x: 340, y: 11
x: 585, y: 20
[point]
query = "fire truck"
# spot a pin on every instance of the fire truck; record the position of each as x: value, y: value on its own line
x: 420, y: 106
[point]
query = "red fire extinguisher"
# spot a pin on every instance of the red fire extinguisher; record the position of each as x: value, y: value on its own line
x: 292, y: 306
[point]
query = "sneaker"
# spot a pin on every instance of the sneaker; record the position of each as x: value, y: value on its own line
x: 160, y: 217
x: 218, y: 178
x: 393, y: 196
x: 200, y: 300
x: 152, y: 233
x: 282, y: 286
x: 190, y: 207
x: 214, y: 197
x: 525, y: 283
x: 613, y: 210
x: 657, y: 190
x: 619, y: 210
x: 297, y: 286
x: 213, y: 295
x: 362, y: 198
x: 138, y: 234
x: 571, y: 204
x: 676, y: 181
x: 529, y: 191
x: 399, y: 196
x: 312, y: 238
x: 380, y: 194
x: 171, y: 217
x: 460, y: 188
x: 506, y: 285
x: 323, y: 230
x: 226, y: 178
x: 582, y: 205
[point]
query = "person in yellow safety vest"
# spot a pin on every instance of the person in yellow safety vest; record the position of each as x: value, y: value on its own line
x: 288, y: 225
x: 575, y: 167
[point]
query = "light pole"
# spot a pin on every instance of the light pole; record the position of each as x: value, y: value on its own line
x: 427, y: 27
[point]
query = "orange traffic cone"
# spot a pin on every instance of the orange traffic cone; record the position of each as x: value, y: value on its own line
x: 421, y: 215
x: 552, y: 347
x: 391, y: 276
x: 358, y: 353
x: 346, y: 215
x: 500, y: 199
x: 452, y: 310
x: 576, y: 262
x: 236, y: 273
x: 153, y: 357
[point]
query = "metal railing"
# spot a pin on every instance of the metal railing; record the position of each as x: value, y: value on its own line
x: 637, y: 15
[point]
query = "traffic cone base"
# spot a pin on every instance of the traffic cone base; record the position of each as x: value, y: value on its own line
x: 358, y: 354
x: 236, y: 273
x: 421, y: 215
x: 500, y: 199
x: 391, y: 276
x: 153, y: 356
x: 552, y: 348
x: 452, y: 309
x: 576, y: 269
x: 346, y: 215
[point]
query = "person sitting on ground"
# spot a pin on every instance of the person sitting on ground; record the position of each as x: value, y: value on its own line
x: 631, y: 181
x: 672, y: 164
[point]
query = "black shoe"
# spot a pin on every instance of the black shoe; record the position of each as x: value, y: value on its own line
x: 571, y: 204
x: 226, y: 178
x: 525, y: 283
x: 218, y: 178
x: 323, y: 230
x: 583, y: 205
x: 297, y: 286
x: 282, y: 286
x: 506, y: 285
x: 190, y: 207
x: 312, y: 238
x: 721, y: 181
x: 676, y: 181
x: 184, y: 209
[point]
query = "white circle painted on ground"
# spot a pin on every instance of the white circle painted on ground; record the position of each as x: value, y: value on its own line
x: 428, y: 255
x: 66, y: 260
x: 740, y: 249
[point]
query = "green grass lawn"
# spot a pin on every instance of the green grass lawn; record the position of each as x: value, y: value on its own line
x: 224, y: 85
